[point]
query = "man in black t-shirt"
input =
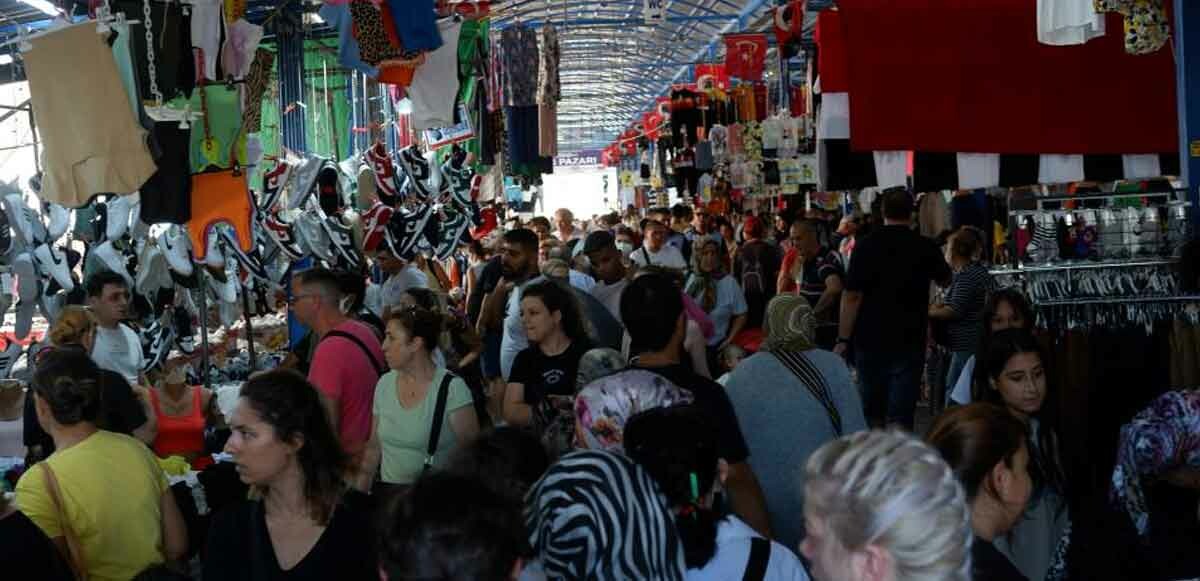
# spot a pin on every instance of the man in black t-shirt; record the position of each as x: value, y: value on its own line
x: 652, y: 308
x: 885, y: 311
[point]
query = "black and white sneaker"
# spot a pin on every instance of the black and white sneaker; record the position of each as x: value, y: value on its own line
x: 6, y: 238
x: 273, y: 184
x: 406, y: 229
x: 305, y: 181
x: 341, y: 238
x: 283, y: 233
x: 250, y: 262
x: 450, y: 232
x: 414, y: 166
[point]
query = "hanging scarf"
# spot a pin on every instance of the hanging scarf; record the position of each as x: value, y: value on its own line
x: 598, y: 515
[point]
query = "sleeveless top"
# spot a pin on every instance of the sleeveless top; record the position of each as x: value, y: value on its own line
x: 181, y: 435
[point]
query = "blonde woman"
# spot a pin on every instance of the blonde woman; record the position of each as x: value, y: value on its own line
x: 123, y: 409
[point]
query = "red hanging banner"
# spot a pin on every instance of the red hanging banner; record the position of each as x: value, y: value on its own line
x: 712, y: 76
x: 745, y: 55
x: 789, y: 26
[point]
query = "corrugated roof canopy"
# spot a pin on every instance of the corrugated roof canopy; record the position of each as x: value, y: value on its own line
x: 614, y: 65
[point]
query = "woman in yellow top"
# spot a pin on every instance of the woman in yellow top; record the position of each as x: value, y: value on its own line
x: 101, y: 497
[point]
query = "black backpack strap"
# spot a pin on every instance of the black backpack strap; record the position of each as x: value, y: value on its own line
x: 814, y: 381
x: 646, y: 255
x: 760, y: 555
x: 380, y: 368
x: 435, y: 432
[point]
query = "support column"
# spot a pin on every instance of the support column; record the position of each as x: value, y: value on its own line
x: 1187, y: 75
x: 291, y: 89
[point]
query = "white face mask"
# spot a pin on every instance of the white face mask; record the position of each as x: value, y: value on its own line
x: 625, y: 247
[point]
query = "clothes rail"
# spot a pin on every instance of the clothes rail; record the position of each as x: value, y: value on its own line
x: 1118, y: 300
x: 1082, y: 266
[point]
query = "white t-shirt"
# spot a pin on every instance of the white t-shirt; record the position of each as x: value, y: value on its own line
x: 610, y: 295
x: 119, y: 350
x: 733, y: 555
x: 393, y: 288
x: 667, y: 257
x: 435, y: 84
x: 731, y: 302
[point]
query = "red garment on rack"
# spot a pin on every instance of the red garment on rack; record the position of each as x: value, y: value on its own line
x: 831, y: 58
x: 947, y: 75
x: 745, y: 55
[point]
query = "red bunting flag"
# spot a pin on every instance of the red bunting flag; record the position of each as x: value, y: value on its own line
x: 745, y: 55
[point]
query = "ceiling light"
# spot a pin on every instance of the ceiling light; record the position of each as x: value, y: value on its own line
x: 44, y: 6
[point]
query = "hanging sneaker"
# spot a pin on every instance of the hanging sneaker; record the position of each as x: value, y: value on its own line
x: 213, y: 255
x: 223, y: 288
x: 157, y: 340
x: 341, y: 239
x: 182, y: 321
x: 8, y: 358
x: 118, y: 211
x: 283, y: 233
x: 51, y: 305
x: 52, y: 264
x: 113, y: 260
x: 250, y: 262
x: 418, y: 172
x: 153, y: 271
x: 25, y: 312
x: 313, y: 236
x: 387, y: 183
x: 406, y: 229
x: 449, y: 236
x: 27, y: 276
x: 305, y: 181
x: 329, y: 194
x: 138, y: 230
x: 59, y: 221
x: 375, y: 222
x: 273, y: 184
x: 6, y: 237
x: 176, y: 248
x: 19, y: 218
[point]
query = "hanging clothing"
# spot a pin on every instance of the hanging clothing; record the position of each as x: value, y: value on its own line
x: 416, y: 23
x: 434, y: 88
x: 349, y: 55
x: 241, y: 43
x: 123, y: 54
x: 549, y: 92
x: 220, y: 197
x: 91, y: 145
x: 167, y: 195
x: 1067, y: 22
x: 218, y: 133
x: 206, y: 36
x: 170, y: 27
x: 519, y: 54
x: 255, y: 88
x: 1146, y: 26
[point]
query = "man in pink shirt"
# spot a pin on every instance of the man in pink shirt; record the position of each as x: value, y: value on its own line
x: 348, y: 359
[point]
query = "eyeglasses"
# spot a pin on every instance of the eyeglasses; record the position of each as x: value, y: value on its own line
x: 296, y: 298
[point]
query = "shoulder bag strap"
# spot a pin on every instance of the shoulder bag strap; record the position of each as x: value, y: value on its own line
x: 760, y: 555
x: 646, y: 254
x: 814, y: 381
x: 379, y: 368
x: 74, y: 547
x: 435, y: 432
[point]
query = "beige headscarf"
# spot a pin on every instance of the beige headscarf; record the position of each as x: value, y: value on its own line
x: 789, y: 324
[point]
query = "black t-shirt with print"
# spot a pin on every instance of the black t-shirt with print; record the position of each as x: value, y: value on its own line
x: 544, y: 375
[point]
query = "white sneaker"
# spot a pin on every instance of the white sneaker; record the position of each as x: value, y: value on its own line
x: 213, y: 255
x: 152, y: 271
x: 27, y: 277
x: 118, y: 210
x: 19, y: 218
x: 53, y: 264
x: 112, y: 260
x: 174, y: 245
x: 60, y: 221
x: 226, y: 292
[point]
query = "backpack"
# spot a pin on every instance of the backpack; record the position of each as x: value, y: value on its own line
x: 752, y: 274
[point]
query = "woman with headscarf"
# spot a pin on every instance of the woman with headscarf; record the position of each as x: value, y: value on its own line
x: 599, y: 516
x: 799, y: 397
x: 603, y: 406
x: 718, y: 293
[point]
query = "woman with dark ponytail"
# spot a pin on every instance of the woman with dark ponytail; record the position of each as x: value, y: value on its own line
x: 677, y: 447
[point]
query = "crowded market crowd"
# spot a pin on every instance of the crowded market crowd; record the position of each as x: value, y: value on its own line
x: 670, y: 396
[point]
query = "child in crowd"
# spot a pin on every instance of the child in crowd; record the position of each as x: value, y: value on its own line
x: 731, y: 356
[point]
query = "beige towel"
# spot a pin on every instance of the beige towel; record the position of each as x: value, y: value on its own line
x: 91, y: 142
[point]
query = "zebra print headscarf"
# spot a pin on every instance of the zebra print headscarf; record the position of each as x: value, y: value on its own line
x: 598, y: 516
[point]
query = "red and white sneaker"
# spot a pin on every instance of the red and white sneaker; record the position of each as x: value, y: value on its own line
x: 283, y: 235
x: 387, y: 183
x: 273, y: 184
x: 375, y: 221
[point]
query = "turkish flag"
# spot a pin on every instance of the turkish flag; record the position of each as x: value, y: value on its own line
x: 712, y: 76
x: 789, y: 26
x: 745, y: 55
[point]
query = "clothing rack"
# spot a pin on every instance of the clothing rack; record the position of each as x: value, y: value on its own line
x: 1081, y: 266
x: 1119, y: 300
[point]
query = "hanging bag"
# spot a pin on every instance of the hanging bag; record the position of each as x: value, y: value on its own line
x: 75, y: 557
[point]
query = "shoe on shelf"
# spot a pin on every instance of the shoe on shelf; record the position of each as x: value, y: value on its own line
x: 118, y: 210
x: 175, y: 247
x: 113, y: 260
x: 53, y: 264
x: 59, y: 219
x: 27, y: 276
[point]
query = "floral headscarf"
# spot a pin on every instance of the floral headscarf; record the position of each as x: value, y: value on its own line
x: 604, y: 405
x: 702, y: 286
